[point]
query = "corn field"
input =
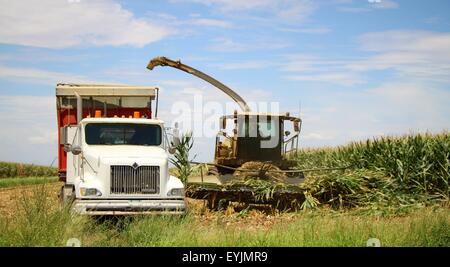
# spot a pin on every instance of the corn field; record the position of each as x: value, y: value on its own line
x: 397, y: 171
x: 10, y: 169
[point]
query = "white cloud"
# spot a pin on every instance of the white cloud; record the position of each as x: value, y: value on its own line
x: 211, y: 23
x: 289, y: 10
x: 246, y: 64
x: 409, y: 55
x: 353, y: 9
x: 43, y: 136
x: 178, y: 84
x: 370, y: 5
x: 412, y: 54
x: 316, y: 30
x: 29, y: 130
x: 303, y: 67
x: 233, y: 4
x: 38, y: 76
x: 401, y: 40
x: 425, y: 106
x: 316, y: 136
x: 384, y: 4
x: 342, y: 78
x: 433, y: 20
x: 295, y: 10
x: 58, y: 24
x: 391, y: 108
x: 225, y: 44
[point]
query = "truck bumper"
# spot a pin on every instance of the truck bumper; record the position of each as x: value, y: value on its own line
x: 129, y: 207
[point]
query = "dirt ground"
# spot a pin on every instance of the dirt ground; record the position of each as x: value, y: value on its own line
x: 9, y: 196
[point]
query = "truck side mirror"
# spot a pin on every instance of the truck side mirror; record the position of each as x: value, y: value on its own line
x: 76, y: 150
x: 176, y: 141
x: 67, y: 136
x: 174, y: 144
x: 175, y: 136
x: 67, y: 148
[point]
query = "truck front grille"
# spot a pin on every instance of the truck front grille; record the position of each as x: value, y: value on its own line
x: 129, y: 180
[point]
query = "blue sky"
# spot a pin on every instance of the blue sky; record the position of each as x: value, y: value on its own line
x: 358, y: 68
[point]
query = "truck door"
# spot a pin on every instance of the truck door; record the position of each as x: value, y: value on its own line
x: 73, y: 161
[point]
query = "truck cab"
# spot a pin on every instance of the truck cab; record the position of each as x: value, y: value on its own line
x: 114, y: 151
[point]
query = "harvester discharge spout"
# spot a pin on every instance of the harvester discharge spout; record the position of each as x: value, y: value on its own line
x: 163, y: 61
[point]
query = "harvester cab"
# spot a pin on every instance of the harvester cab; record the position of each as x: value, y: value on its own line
x: 263, y: 137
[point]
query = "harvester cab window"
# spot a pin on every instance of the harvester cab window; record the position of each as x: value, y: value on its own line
x: 257, y: 127
x: 123, y: 134
x: 267, y: 128
x: 247, y: 126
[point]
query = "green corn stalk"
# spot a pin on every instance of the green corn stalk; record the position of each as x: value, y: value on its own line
x: 181, y: 159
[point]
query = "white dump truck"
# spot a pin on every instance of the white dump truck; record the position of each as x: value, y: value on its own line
x: 114, y: 151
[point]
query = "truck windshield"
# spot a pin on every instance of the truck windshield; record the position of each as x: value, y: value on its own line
x: 123, y: 134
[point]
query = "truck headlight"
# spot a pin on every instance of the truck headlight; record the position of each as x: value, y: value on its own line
x: 90, y: 192
x: 176, y: 192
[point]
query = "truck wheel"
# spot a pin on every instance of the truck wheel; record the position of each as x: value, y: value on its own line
x: 66, y: 195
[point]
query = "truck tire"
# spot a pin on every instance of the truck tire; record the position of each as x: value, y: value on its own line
x: 66, y: 195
